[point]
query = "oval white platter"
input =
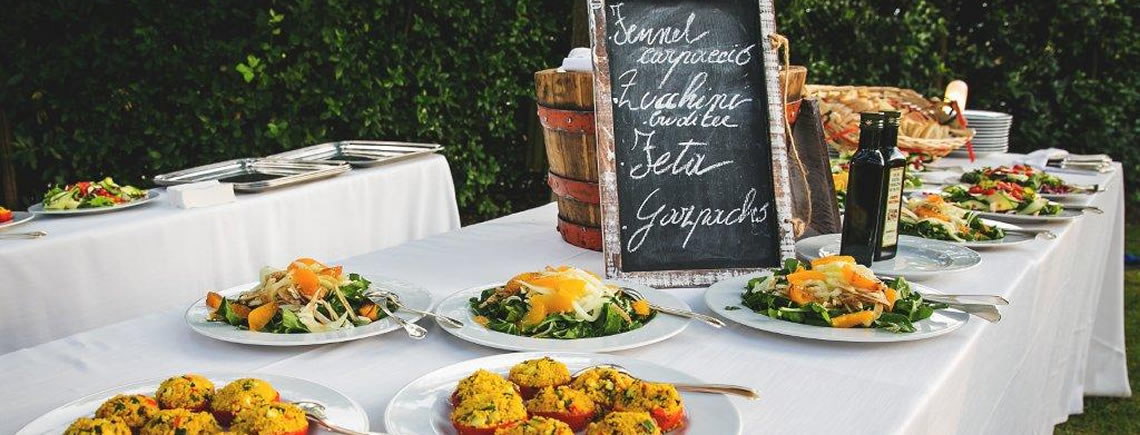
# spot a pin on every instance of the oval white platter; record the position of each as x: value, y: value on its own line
x: 38, y: 208
x: 341, y: 409
x: 917, y: 258
x: 410, y: 294
x: 18, y: 217
x: 422, y: 407
x: 661, y: 327
x: 727, y: 293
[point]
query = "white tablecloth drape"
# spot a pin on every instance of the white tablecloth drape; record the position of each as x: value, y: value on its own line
x: 1061, y: 338
x: 94, y: 270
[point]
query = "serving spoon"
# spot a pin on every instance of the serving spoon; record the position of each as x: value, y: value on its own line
x: 415, y: 331
x: 735, y: 390
x: 395, y: 299
x: 315, y: 412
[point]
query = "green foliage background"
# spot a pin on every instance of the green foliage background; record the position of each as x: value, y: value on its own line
x: 133, y: 88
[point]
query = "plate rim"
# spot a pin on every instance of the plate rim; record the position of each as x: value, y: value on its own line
x: 714, y: 291
x: 464, y: 294
x: 915, y: 275
x: 27, y: 216
x: 362, y: 413
x: 38, y: 208
x: 556, y: 355
x: 313, y: 336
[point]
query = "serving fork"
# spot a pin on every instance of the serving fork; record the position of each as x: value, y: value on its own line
x: 28, y: 235
x: 415, y: 331
x: 708, y: 320
x: 735, y: 390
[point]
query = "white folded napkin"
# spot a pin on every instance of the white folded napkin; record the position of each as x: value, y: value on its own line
x: 578, y: 60
x: 201, y: 194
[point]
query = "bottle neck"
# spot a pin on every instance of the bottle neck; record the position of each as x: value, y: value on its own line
x: 889, y: 138
x: 869, y: 138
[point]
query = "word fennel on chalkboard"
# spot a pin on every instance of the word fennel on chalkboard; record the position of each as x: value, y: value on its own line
x: 691, y: 140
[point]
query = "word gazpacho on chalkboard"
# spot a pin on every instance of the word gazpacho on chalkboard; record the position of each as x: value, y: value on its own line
x: 691, y: 140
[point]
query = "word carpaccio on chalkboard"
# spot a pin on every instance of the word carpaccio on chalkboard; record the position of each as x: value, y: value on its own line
x: 692, y: 155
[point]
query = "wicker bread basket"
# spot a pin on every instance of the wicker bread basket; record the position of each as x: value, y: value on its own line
x: 934, y: 133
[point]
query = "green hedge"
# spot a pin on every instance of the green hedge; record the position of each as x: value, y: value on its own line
x: 137, y: 88
x: 134, y: 88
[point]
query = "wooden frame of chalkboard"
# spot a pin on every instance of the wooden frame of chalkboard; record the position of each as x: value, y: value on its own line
x: 739, y: 131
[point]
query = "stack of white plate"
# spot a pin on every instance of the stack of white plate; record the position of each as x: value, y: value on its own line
x: 991, y: 131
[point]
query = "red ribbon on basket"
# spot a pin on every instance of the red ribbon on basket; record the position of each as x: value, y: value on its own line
x: 962, y: 123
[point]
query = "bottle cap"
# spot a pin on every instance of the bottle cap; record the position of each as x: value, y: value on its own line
x: 871, y: 119
x: 891, y: 117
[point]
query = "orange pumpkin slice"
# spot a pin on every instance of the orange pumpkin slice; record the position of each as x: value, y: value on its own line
x: 832, y: 259
x: 892, y: 296
x: 799, y: 295
x: 213, y: 300
x: 803, y: 276
x: 857, y: 279
x: 854, y: 319
x: 307, y: 280
x: 261, y: 316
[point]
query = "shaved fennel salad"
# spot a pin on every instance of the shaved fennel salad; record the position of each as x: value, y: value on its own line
x: 559, y: 303
x: 306, y: 296
x: 836, y: 292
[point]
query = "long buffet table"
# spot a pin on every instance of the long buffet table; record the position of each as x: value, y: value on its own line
x: 1061, y: 339
x: 95, y: 270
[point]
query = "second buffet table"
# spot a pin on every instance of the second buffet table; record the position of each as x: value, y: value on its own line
x: 1061, y: 339
x: 94, y: 270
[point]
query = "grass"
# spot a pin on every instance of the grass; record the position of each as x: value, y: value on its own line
x: 1105, y: 415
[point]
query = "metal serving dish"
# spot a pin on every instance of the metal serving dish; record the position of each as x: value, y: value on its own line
x: 362, y: 153
x: 255, y: 175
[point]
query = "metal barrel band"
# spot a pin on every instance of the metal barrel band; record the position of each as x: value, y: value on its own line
x: 578, y: 235
x: 570, y: 121
x: 584, y: 191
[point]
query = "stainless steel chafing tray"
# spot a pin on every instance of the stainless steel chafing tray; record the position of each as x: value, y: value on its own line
x: 362, y: 153
x: 255, y: 175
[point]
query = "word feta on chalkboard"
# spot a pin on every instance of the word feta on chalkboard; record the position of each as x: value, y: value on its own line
x: 690, y: 138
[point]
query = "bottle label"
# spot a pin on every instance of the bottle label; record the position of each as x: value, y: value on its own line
x: 891, y: 215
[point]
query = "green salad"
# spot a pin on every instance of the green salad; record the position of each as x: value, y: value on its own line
x: 562, y: 303
x: 836, y: 292
x: 90, y: 194
x: 931, y: 217
x: 1001, y: 197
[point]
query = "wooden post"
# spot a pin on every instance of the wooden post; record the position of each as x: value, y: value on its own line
x: 8, y: 178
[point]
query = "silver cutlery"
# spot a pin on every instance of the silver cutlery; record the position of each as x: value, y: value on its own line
x: 1083, y: 209
x: 735, y: 390
x: 315, y: 412
x: 987, y: 312
x: 1046, y: 234
x: 966, y: 299
x: 28, y: 235
x: 415, y: 331
x: 395, y: 299
x: 708, y: 320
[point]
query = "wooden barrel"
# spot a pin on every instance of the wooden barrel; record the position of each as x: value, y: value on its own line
x: 566, y: 111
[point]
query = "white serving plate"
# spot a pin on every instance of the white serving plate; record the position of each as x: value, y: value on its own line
x: 410, y: 294
x: 728, y: 293
x: 341, y: 409
x: 917, y: 258
x: 18, y: 217
x: 1010, y: 239
x: 423, y: 407
x: 660, y: 328
x: 38, y: 208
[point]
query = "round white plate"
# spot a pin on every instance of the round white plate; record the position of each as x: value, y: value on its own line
x: 660, y: 328
x: 1072, y: 196
x: 38, y: 208
x: 410, y: 295
x: 917, y: 258
x: 1065, y: 216
x: 341, y: 410
x: 422, y: 407
x: 18, y: 217
x: 727, y: 293
x: 964, y: 154
x: 987, y: 114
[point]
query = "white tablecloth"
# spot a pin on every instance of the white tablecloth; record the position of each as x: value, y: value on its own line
x: 1021, y: 375
x: 95, y: 270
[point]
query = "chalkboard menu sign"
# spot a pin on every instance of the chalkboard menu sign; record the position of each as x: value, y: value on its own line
x: 690, y: 140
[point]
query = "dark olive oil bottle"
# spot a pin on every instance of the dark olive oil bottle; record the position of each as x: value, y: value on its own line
x: 863, y: 211
x: 892, y: 187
